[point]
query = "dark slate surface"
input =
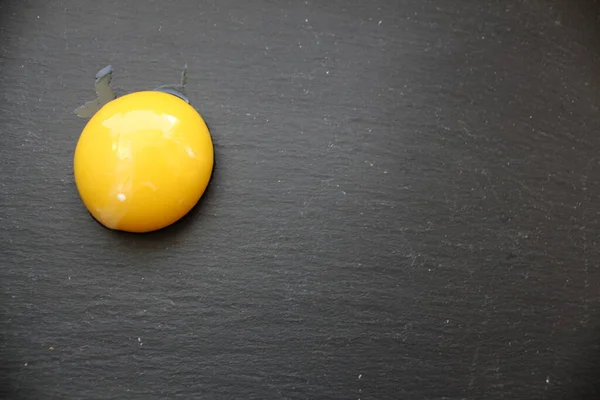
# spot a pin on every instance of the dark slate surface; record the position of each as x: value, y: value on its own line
x: 405, y: 204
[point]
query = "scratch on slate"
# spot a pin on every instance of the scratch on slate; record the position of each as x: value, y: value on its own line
x: 474, y: 367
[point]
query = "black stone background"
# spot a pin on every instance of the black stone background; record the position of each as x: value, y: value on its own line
x: 405, y: 203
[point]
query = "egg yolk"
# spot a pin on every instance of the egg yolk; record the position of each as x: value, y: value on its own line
x: 143, y: 161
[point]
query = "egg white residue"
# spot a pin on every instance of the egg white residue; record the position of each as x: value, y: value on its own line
x: 150, y: 185
x: 109, y: 216
x: 190, y: 152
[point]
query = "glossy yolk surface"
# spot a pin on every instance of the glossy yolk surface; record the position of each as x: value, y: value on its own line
x: 143, y: 161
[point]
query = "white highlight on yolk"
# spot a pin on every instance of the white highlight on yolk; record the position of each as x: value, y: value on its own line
x: 121, y: 197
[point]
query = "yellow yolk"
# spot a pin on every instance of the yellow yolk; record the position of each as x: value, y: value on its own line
x: 143, y: 161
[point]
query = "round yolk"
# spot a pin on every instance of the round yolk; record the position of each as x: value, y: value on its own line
x: 143, y: 161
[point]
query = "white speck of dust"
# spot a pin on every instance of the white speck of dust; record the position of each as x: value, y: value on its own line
x: 380, y: 22
x: 547, y: 379
x: 359, y: 376
x: 121, y: 197
x: 25, y: 364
